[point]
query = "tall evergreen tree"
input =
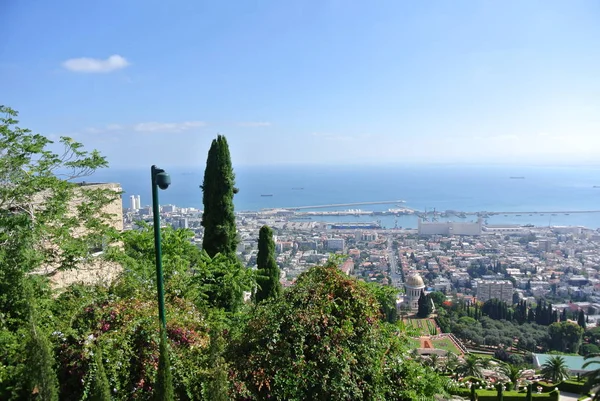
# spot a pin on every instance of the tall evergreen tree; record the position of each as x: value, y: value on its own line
x: 40, y: 363
x: 218, y: 188
x: 268, y: 271
x: 100, y: 388
x: 563, y: 315
x: 424, y: 305
x: 164, y: 379
x: 581, y: 319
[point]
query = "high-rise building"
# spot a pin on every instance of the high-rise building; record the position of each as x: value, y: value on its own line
x: 138, y: 202
x: 500, y: 289
x: 132, y: 202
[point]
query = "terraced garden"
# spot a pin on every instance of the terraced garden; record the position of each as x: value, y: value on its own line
x: 423, y: 327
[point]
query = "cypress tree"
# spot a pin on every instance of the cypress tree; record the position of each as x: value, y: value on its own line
x: 217, y: 385
x: 100, y: 389
x: 581, y: 319
x: 268, y: 271
x: 424, y: 305
x: 164, y: 381
x: 218, y: 188
x: 563, y: 315
x: 40, y: 363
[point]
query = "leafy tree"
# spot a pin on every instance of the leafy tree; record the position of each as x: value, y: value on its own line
x: 323, y: 340
x: 189, y: 273
x: 555, y: 369
x: 588, y: 349
x: 386, y: 297
x: 38, y: 215
x: 218, y: 189
x: 438, y: 298
x: 268, y: 272
x: 565, y: 336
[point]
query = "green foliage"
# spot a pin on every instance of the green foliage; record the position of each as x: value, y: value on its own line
x: 565, y: 336
x: 37, y: 215
x: 100, y: 387
x: 438, y: 298
x: 472, y: 366
x: 555, y: 369
x: 573, y: 386
x: 323, y: 340
x: 127, y: 331
x: 386, y: 297
x: 188, y: 272
x: 217, y: 386
x: 424, y: 305
x: 268, y: 272
x: 164, y: 380
x: 218, y: 189
x: 42, y: 378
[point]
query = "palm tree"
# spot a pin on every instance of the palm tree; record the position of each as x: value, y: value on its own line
x: 512, y: 372
x: 434, y: 360
x: 555, y: 369
x: 593, y: 377
x: 472, y: 366
x: 451, y: 362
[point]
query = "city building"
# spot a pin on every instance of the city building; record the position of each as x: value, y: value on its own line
x: 450, y: 227
x: 499, y: 289
x: 413, y: 286
x: 335, y: 244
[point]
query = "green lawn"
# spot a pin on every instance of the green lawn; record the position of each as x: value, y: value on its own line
x: 447, y: 345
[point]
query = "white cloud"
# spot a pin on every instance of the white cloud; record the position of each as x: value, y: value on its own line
x: 148, y: 127
x: 94, y: 65
x: 168, y: 127
x: 254, y: 124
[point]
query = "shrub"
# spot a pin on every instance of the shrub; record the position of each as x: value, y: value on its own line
x: 572, y: 386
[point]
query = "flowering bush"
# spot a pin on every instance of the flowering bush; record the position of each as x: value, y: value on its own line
x: 127, y: 331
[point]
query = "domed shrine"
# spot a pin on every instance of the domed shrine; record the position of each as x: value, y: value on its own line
x: 414, y: 285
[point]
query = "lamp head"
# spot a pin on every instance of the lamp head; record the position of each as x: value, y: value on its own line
x: 163, y: 180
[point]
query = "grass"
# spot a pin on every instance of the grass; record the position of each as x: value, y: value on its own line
x: 447, y: 345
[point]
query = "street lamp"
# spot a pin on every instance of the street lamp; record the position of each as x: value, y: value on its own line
x: 162, y: 180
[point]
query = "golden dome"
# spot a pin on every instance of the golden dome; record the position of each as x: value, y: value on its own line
x: 415, y: 281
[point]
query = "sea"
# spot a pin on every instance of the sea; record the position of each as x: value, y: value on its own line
x: 468, y: 188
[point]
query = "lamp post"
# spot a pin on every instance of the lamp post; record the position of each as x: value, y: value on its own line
x: 162, y: 180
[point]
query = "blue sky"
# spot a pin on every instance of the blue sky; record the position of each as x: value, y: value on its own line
x: 309, y: 82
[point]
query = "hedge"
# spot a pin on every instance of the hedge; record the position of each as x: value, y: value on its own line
x: 492, y: 395
x: 546, y: 387
x: 572, y: 386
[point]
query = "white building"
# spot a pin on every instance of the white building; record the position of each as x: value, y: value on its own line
x: 132, y: 203
x: 414, y: 285
x: 450, y: 228
x: 138, y: 202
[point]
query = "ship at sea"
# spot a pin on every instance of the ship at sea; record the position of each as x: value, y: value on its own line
x: 517, y: 178
x: 266, y: 195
